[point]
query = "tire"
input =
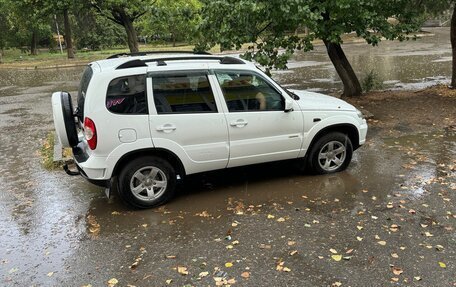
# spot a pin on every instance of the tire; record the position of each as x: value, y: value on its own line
x: 331, y: 153
x: 68, y: 118
x: 150, y: 191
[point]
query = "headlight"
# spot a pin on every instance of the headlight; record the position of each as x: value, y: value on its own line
x: 360, y: 114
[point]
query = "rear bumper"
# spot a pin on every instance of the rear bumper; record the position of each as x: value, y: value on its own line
x: 99, y: 182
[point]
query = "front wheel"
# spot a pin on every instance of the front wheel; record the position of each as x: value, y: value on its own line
x: 147, y: 182
x: 331, y: 153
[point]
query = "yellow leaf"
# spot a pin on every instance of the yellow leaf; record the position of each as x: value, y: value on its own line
x: 228, y: 264
x: 286, y: 269
x: 270, y: 216
x: 203, y: 274
x: 169, y: 281
x: 281, y: 219
x: 113, y: 282
x: 336, y: 257
x: 182, y: 270
x: 441, y: 264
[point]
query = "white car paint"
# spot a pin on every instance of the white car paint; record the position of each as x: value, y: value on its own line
x: 204, y: 142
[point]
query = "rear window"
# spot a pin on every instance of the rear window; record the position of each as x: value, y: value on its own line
x: 83, y: 86
x: 127, y: 95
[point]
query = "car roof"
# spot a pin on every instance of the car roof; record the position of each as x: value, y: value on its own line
x: 177, y: 60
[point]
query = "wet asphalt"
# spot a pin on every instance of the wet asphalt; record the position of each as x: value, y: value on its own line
x: 389, y: 220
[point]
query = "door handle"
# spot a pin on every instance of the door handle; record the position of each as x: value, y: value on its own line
x: 239, y: 123
x: 166, y: 128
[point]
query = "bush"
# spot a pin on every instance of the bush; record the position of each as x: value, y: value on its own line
x: 372, y: 82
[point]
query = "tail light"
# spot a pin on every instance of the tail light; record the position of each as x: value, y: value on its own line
x: 90, y: 133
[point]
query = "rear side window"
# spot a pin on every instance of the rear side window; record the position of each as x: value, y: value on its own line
x: 127, y: 95
x: 83, y: 86
x: 183, y: 93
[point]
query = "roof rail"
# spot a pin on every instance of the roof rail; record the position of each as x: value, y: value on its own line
x: 226, y: 60
x: 155, y: 52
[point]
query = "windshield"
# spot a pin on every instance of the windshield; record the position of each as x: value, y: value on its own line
x: 85, y: 80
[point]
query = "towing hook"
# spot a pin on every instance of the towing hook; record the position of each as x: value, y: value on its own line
x: 69, y: 171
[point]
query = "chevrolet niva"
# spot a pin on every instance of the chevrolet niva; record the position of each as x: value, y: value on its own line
x: 144, y: 121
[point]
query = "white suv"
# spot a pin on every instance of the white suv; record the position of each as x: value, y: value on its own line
x: 145, y: 121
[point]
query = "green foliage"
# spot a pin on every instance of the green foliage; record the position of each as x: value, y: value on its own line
x: 95, y: 32
x: 172, y: 20
x: 270, y: 25
x: 372, y: 82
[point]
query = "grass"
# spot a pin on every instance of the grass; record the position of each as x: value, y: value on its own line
x: 47, y: 153
x: 13, y: 58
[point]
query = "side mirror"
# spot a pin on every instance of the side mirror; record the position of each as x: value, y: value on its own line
x: 288, y: 105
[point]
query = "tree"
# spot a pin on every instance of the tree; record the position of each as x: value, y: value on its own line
x: 125, y: 13
x: 96, y: 32
x: 28, y: 19
x: 176, y: 19
x: 453, y: 46
x: 270, y: 25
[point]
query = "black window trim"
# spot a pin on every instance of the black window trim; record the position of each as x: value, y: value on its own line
x: 206, y: 72
x: 145, y: 93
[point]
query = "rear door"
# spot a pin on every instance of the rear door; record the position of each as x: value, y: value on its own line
x: 259, y: 128
x: 186, y: 119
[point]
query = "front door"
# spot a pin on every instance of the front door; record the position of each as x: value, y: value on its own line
x: 185, y: 119
x: 259, y: 128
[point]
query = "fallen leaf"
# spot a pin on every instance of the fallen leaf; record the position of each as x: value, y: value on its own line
x: 229, y: 247
x: 360, y: 227
x: 286, y: 269
x: 291, y: 243
x: 203, y: 274
x: 412, y: 211
x: 439, y: 247
x: 228, y: 265
x: 336, y: 284
x: 428, y: 234
x: 270, y: 216
x: 333, y: 251
x: 397, y: 271
x: 281, y: 219
x: 170, y: 256
x: 383, y: 243
x: 336, y: 257
x: 293, y: 252
x: 417, y: 278
x: 394, y: 255
x: 112, y: 282
x: 50, y: 274
x: 182, y: 270
x: 231, y: 281
x: 395, y: 279
x: 144, y: 225
x: 441, y: 264
x: 169, y: 281
x: 359, y: 238
x: 245, y: 274
x: 265, y: 246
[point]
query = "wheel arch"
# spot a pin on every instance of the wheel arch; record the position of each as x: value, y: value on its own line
x: 350, y: 130
x: 168, y: 155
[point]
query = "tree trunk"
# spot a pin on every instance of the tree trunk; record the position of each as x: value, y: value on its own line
x: 68, y: 40
x: 33, y: 50
x: 131, y: 33
x: 453, y: 46
x: 352, y: 87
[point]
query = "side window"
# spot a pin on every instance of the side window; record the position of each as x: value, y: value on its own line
x: 126, y: 95
x: 245, y: 91
x: 183, y: 93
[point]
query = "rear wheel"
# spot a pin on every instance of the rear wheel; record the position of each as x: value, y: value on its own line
x: 331, y: 153
x: 147, y: 182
